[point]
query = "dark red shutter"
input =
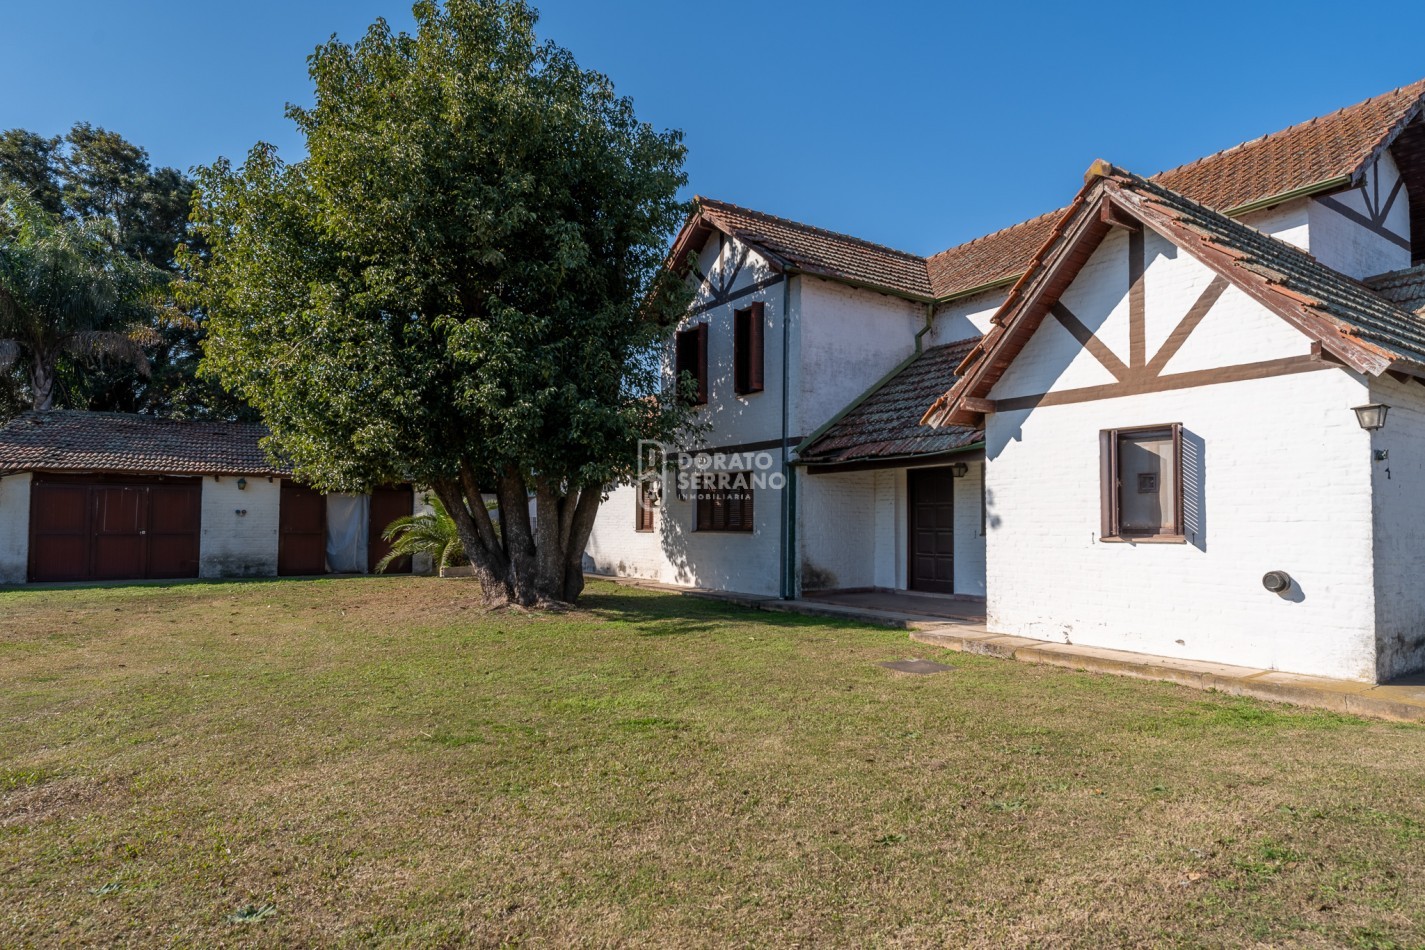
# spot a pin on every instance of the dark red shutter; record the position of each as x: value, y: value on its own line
x: 741, y: 331
x: 702, y: 371
x: 754, y: 349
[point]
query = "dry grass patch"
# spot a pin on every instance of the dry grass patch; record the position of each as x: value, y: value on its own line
x: 378, y: 761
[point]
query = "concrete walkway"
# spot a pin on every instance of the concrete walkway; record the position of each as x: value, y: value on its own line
x: 964, y: 630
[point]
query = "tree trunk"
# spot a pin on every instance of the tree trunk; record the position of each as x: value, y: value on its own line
x: 42, y: 382
x: 489, y: 564
x: 532, y: 565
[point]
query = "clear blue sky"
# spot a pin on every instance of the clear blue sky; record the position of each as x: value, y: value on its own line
x: 918, y: 125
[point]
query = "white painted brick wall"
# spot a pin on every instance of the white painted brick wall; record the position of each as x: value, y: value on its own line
x: 962, y: 319
x: 239, y: 545
x: 1343, y: 244
x: 1399, y: 528
x: 891, y: 528
x: 848, y: 340
x: 837, y: 536
x: 1285, y: 485
x: 674, y: 553
x: 1286, y: 488
x: 14, y: 528
x: 969, y: 539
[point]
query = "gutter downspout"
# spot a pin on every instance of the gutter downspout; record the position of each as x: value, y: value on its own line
x: 788, y: 584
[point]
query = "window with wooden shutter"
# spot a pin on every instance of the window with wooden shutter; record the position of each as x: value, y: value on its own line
x: 747, y: 333
x: 724, y: 510
x: 645, y: 508
x: 690, y: 356
x: 1141, y: 484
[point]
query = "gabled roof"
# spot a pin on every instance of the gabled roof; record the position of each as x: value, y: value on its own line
x: 69, y: 441
x: 885, y: 423
x: 1353, y: 324
x: 1324, y: 154
x: 791, y: 245
x: 1327, y: 153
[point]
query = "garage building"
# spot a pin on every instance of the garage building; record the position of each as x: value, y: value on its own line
x: 96, y: 496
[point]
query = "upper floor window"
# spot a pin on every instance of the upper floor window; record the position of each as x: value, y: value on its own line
x: 1142, y: 483
x: 690, y: 356
x: 747, y: 327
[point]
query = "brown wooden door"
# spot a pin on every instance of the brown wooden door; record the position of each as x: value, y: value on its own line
x: 301, y: 530
x: 932, y: 530
x: 388, y: 504
x: 115, y: 528
x: 59, y: 531
x: 120, y: 539
x: 174, y: 514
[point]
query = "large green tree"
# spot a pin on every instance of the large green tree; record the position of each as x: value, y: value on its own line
x: 460, y: 285
x: 65, y: 291
x: 92, y: 175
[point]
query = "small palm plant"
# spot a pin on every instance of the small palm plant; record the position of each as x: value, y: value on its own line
x: 430, y: 532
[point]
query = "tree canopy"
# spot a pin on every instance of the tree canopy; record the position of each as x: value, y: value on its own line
x: 96, y: 180
x: 460, y: 285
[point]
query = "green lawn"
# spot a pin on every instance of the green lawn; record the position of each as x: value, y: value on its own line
x: 378, y: 761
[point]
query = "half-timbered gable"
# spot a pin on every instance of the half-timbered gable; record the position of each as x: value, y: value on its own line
x: 1163, y: 358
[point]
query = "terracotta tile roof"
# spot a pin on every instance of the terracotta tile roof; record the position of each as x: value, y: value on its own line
x: 818, y: 251
x: 1404, y: 288
x: 1321, y: 150
x: 116, y: 442
x: 1349, y: 309
x: 886, y: 423
x: 993, y: 259
x: 1352, y: 323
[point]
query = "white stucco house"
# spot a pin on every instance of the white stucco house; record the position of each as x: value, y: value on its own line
x: 1130, y: 423
x: 98, y: 496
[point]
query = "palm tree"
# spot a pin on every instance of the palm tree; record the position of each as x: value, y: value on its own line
x: 66, y: 290
x: 430, y: 532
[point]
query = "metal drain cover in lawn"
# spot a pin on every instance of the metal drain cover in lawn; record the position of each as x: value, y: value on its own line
x: 919, y: 667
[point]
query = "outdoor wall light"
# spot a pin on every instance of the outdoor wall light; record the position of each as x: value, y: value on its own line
x: 1371, y: 417
x: 959, y: 470
x: 241, y: 483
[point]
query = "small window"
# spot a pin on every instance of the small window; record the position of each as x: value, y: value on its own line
x: 645, y: 507
x: 1142, y: 495
x: 747, y: 327
x: 690, y: 357
x: 724, y: 510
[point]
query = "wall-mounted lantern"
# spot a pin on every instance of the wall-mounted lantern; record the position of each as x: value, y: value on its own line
x: 1371, y: 417
x: 241, y: 484
x: 959, y: 470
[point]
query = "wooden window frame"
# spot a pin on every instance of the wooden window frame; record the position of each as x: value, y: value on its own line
x: 1110, y: 490
x: 706, y: 512
x: 645, y: 516
x: 748, y: 331
x: 691, y: 346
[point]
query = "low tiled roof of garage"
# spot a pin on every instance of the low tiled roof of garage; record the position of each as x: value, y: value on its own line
x: 886, y: 422
x: 70, y: 441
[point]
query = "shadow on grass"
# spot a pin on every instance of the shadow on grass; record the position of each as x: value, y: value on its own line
x: 665, y: 614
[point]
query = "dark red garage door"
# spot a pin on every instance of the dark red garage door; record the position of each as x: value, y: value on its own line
x: 388, y: 504
x: 85, y: 527
x: 301, y: 531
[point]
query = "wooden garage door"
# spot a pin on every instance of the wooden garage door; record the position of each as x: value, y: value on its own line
x: 388, y: 504
x: 301, y: 531
x: 95, y: 528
